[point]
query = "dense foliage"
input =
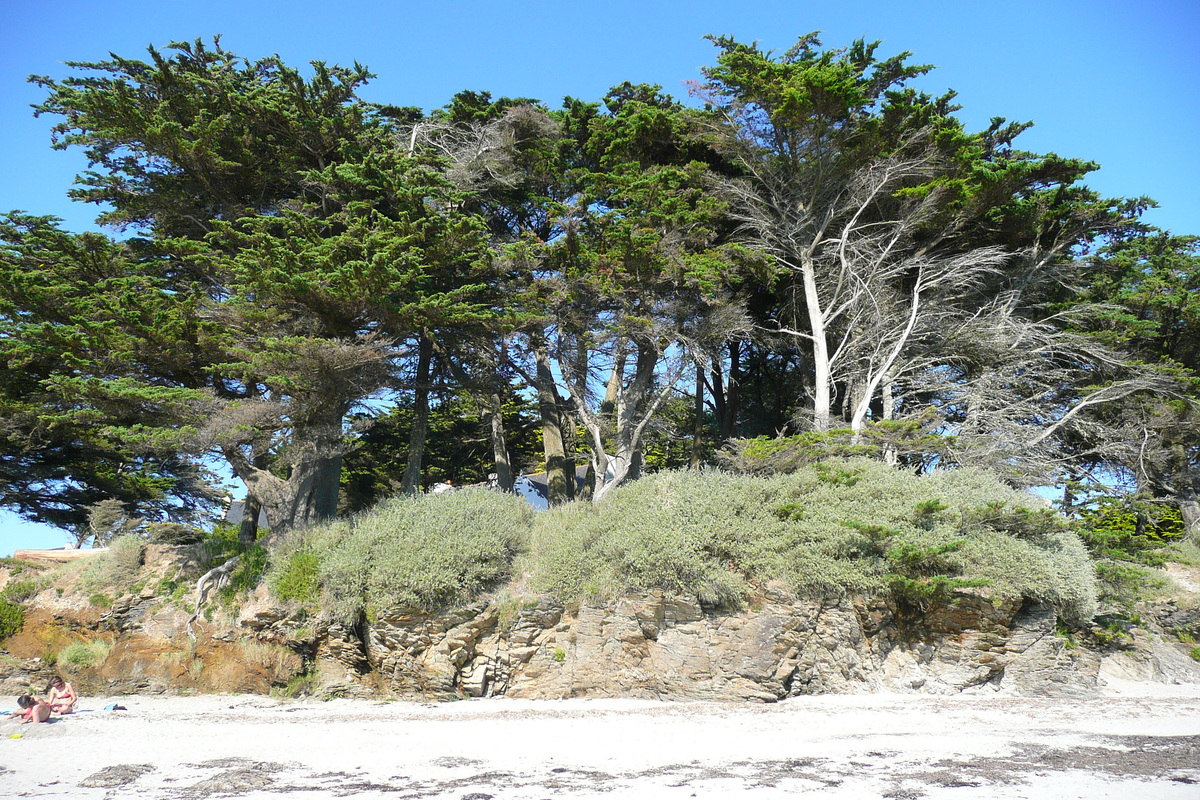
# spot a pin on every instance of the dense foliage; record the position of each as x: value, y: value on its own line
x: 840, y: 527
x: 813, y: 249
x: 423, y: 552
x: 1127, y: 539
x: 845, y: 527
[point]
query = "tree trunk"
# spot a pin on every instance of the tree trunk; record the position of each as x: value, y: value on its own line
x: 495, y: 418
x: 327, y: 484
x: 888, y: 412
x: 725, y: 393
x: 733, y: 393
x: 297, y: 501
x: 634, y: 407
x: 698, y: 419
x: 1070, y: 482
x: 716, y: 388
x: 491, y: 413
x: 411, y: 483
x: 822, y: 369
x: 252, y: 509
x: 859, y: 419
x: 588, y: 491
x: 1189, y: 509
x: 321, y: 472
x: 858, y: 405
x: 560, y: 478
x: 248, y: 529
x: 613, y: 389
x: 285, y: 502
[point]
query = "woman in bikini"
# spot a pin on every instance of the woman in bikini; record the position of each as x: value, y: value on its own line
x: 32, y: 709
x: 62, y: 697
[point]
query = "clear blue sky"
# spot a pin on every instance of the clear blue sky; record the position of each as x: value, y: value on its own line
x: 1113, y: 82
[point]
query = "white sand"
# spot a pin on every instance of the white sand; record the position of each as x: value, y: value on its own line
x: 862, y: 746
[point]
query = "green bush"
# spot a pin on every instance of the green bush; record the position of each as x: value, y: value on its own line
x: 12, y: 618
x: 14, y: 566
x: 1123, y: 583
x: 781, y: 455
x: 1130, y: 530
x: 297, y: 578
x: 837, y: 527
x: 83, y: 654
x: 19, y: 591
x: 1128, y: 538
x: 246, y: 574
x: 302, y: 685
x: 659, y: 533
x: 428, y: 551
x: 119, y: 566
x: 173, y: 533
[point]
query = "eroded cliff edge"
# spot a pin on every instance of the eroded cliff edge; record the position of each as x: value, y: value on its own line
x: 649, y: 645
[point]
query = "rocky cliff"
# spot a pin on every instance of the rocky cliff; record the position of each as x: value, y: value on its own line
x: 646, y: 646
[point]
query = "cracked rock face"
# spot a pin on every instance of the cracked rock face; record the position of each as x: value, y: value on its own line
x: 664, y: 647
x: 647, y: 645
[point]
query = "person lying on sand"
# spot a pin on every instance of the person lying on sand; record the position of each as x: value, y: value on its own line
x: 35, y: 710
x: 62, y: 697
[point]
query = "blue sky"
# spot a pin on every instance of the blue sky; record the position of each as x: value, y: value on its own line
x: 1112, y: 82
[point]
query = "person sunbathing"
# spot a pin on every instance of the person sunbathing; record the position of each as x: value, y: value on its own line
x: 62, y: 697
x: 35, y: 710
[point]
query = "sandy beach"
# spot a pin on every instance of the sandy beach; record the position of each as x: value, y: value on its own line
x: 1136, y: 741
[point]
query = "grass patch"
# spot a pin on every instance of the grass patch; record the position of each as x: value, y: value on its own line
x: 298, y: 577
x: 15, y: 566
x: 271, y: 657
x: 172, y: 587
x: 82, y: 655
x: 1113, y: 630
x: 302, y: 685
x: 118, y: 568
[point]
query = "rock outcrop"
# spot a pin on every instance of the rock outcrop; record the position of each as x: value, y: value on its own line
x: 648, y: 645
x: 656, y: 646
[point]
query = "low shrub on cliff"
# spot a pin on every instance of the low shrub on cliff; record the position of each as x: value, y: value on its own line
x: 297, y: 577
x: 16, y: 567
x: 20, y: 591
x: 828, y: 529
x: 427, y: 551
x: 246, y: 575
x: 681, y: 532
x: 12, y: 619
x: 825, y: 530
x: 119, y: 566
x: 82, y: 655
